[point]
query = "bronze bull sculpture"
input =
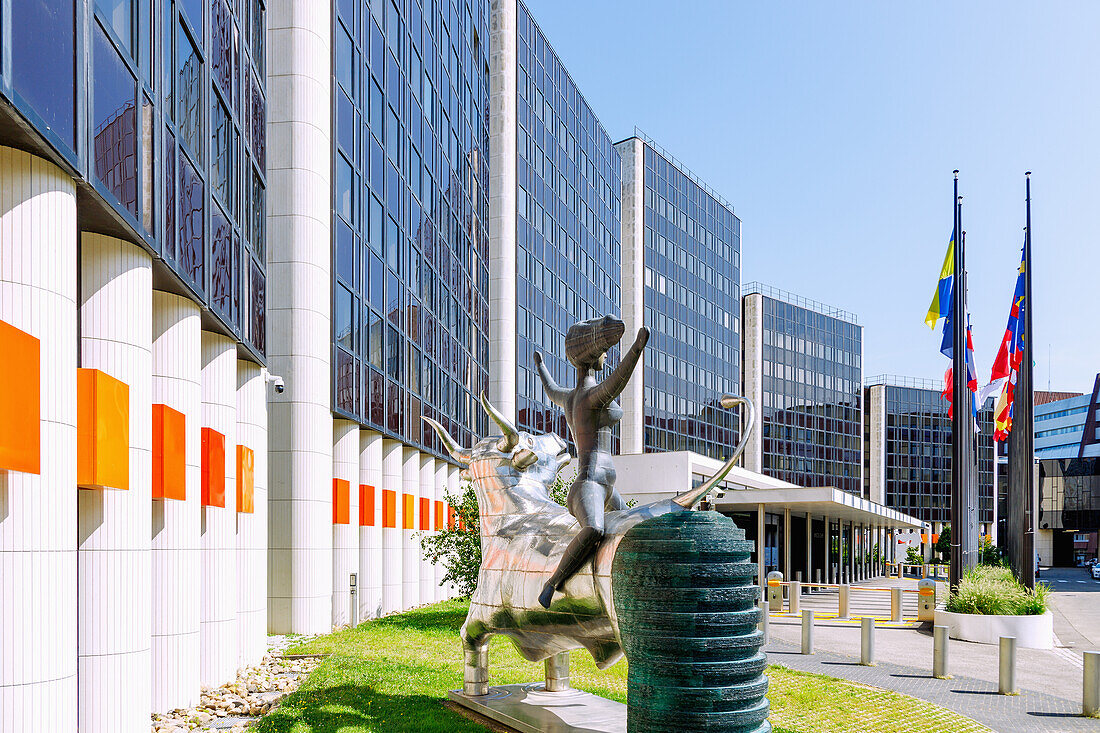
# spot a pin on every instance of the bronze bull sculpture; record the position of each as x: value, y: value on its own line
x: 523, y: 535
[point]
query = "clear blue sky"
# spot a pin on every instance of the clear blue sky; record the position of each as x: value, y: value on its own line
x: 833, y: 128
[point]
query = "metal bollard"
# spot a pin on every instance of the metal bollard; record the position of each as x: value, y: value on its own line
x: 764, y: 620
x: 1007, y: 677
x: 1090, y: 697
x: 939, y: 652
x: 557, y: 672
x: 795, y: 589
x: 842, y: 600
x: 808, y: 631
x: 353, y: 599
x: 817, y: 578
x: 895, y: 605
x: 867, y: 641
x: 775, y: 590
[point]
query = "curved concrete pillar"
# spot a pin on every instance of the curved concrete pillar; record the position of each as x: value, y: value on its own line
x: 218, y: 543
x: 370, y: 530
x: 454, y: 480
x: 410, y: 544
x: 345, y: 537
x: 442, y: 474
x: 392, y: 556
x: 426, y: 525
x: 177, y: 361
x: 114, y: 563
x: 38, y: 526
x: 252, y: 528
x: 299, y: 271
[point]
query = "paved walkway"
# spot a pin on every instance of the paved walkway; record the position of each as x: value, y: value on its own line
x: 1050, y: 682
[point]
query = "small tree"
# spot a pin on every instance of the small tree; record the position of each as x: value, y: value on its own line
x: 913, y: 556
x: 943, y: 544
x: 990, y: 554
x: 458, y: 547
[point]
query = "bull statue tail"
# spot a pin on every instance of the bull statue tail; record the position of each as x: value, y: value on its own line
x: 688, y: 498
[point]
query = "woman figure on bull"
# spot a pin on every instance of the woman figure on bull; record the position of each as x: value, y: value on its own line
x: 590, y: 411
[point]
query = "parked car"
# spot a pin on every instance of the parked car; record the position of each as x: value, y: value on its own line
x: 1095, y: 569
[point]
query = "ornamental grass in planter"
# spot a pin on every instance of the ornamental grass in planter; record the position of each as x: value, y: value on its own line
x: 994, y: 591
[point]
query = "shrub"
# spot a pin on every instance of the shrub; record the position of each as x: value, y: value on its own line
x: 994, y: 591
x: 913, y: 556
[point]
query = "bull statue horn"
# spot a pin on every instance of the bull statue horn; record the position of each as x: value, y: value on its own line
x: 688, y: 498
x: 511, y: 435
x: 460, y: 454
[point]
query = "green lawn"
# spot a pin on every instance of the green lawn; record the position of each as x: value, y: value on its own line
x: 392, y: 675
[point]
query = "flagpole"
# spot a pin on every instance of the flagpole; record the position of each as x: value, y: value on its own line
x: 958, y: 389
x: 1021, y: 440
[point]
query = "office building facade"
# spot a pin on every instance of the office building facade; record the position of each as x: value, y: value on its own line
x: 681, y: 274
x: 554, y: 218
x: 908, y: 451
x: 803, y: 368
x: 1067, y: 450
x: 133, y: 307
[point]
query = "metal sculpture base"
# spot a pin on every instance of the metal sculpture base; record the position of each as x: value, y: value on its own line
x: 530, y: 708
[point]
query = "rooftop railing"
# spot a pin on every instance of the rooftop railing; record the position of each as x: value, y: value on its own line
x: 790, y: 298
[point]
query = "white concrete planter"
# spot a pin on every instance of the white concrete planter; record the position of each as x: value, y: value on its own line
x: 1032, y: 632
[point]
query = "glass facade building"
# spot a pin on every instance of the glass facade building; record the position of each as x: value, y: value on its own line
x: 568, y: 227
x: 410, y: 244
x: 159, y: 110
x: 916, y: 455
x: 807, y: 378
x: 690, y: 243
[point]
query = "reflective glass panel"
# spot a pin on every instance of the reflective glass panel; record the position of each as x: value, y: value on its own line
x: 46, y: 29
x: 114, y: 124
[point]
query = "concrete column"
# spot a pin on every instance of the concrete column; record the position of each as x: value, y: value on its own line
x: 345, y: 537
x: 752, y: 359
x: 299, y: 209
x: 409, y: 504
x: 370, y: 533
x: 809, y: 548
x: 442, y: 477
x: 177, y: 361
x: 851, y: 550
x: 114, y: 564
x: 825, y: 553
x: 425, y: 511
x: 38, y: 511
x: 760, y: 579
x: 503, y: 118
x: 391, y: 528
x: 632, y: 153
x: 252, y: 528
x: 218, y: 586
x: 788, y: 572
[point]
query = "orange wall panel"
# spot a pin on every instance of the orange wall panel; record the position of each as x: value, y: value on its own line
x: 425, y: 513
x: 450, y: 517
x: 20, y: 400
x: 246, y: 480
x: 366, y: 505
x: 341, y: 498
x: 169, y: 453
x: 213, y: 468
x: 440, y: 515
x: 408, y: 511
x: 102, y: 431
x: 389, y: 508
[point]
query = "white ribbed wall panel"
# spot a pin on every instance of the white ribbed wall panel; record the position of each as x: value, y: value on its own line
x: 299, y: 207
x: 252, y: 528
x: 455, y: 481
x: 114, y: 562
x: 218, y: 584
x: 345, y: 537
x: 441, y: 490
x: 370, y: 536
x: 410, y: 565
x: 392, y: 477
x: 177, y: 361
x: 428, y: 588
x: 38, y: 558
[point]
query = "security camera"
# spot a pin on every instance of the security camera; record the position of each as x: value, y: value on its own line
x: 276, y: 381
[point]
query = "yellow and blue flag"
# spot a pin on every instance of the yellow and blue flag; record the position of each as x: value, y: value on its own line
x: 941, y: 301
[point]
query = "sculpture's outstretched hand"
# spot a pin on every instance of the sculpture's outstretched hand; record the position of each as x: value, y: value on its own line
x: 616, y: 382
x: 555, y: 392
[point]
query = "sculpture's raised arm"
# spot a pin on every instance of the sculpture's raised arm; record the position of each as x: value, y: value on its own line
x: 615, y: 383
x: 554, y: 391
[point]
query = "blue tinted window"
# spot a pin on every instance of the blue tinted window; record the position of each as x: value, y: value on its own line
x: 46, y: 30
x: 114, y: 123
x: 118, y: 15
x: 189, y: 94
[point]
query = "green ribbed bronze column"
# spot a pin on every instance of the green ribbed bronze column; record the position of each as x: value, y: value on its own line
x: 687, y: 617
